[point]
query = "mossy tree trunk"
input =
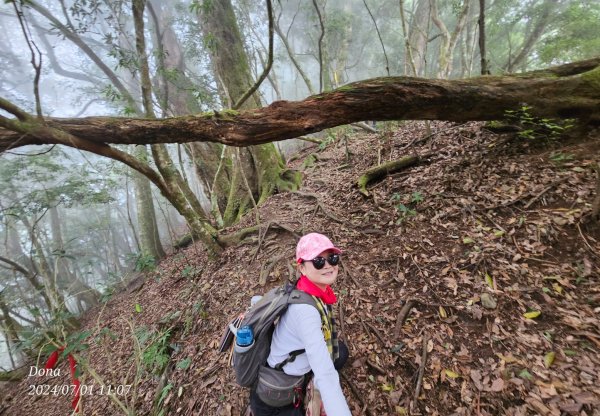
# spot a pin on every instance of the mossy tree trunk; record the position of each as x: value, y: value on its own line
x: 174, y: 187
x: 567, y: 91
x: 260, y: 168
x: 146, y: 215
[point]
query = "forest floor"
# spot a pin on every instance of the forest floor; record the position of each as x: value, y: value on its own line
x: 487, y: 237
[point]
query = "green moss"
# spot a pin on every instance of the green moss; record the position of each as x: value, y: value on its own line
x: 494, y: 124
x: 207, y: 114
x: 593, y: 78
x: 345, y: 88
x: 290, y: 180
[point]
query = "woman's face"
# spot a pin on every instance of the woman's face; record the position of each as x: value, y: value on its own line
x: 323, y: 277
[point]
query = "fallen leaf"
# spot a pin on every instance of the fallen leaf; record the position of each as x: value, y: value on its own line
x: 532, y: 314
x: 497, y: 385
x: 549, y: 359
x: 208, y: 382
x: 476, y: 377
x: 489, y: 281
x: 451, y: 374
x: 526, y: 374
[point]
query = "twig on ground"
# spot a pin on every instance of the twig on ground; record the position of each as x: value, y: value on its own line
x: 586, y: 242
x: 210, y: 370
x: 356, y: 392
x: 376, y: 367
x: 347, y: 270
x: 420, y: 140
x: 589, y: 336
x: 402, y: 316
x: 373, y: 329
x: 522, y: 197
x: 517, y: 246
x: 319, y: 205
x: 421, y: 373
x: 546, y: 189
x: 364, y: 126
x: 202, y: 406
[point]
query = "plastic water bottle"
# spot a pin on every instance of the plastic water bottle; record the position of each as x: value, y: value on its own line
x: 245, y: 336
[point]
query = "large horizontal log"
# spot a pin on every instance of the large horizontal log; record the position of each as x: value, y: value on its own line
x: 568, y: 91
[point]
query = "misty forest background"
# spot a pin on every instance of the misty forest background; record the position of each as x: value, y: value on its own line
x: 73, y: 225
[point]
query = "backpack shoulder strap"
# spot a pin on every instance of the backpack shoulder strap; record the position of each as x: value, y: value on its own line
x: 301, y: 297
x: 297, y: 297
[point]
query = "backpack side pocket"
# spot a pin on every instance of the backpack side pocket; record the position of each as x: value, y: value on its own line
x: 277, y: 388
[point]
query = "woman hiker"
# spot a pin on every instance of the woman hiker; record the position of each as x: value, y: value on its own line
x: 303, y: 326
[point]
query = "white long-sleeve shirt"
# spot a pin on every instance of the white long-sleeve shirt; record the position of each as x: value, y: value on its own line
x: 300, y: 328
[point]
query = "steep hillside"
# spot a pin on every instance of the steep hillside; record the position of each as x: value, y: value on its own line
x: 482, y: 234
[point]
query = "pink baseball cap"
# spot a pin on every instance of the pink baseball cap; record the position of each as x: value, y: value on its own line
x: 313, y: 244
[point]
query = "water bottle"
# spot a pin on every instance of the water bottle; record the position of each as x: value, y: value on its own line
x: 244, y: 337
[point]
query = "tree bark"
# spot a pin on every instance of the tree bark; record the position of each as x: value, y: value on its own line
x: 261, y: 165
x: 569, y: 91
x: 448, y: 39
x: 484, y: 63
x: 533, y: 37
x: 146, y: 214
x: 417, y: 36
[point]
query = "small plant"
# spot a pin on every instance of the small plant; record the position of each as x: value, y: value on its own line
x: 155, y: 348
x: 107, y: 294
x: 559, y: 158
x: 190, y: 272
x: 144, y: 262
x: 406, y: 206
x: 163, y: 395
x: 326, y: 141
x: 536, y: 128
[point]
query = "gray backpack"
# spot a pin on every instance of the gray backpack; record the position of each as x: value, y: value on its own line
x: 262, y: 317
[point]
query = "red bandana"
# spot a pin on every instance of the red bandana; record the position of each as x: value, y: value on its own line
x: 309, y: 287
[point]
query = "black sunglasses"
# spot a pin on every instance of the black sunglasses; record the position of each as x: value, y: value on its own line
x: 319, y: 262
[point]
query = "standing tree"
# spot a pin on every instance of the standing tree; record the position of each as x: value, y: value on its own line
x: 259, y: 168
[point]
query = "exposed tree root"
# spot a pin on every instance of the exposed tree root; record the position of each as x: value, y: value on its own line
x: 383, y: 170
x: 265, y: 270
x: 364, y: 126
x: 237, y: 237
x: 320, y: 205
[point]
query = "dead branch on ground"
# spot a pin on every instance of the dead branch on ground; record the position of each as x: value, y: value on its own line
x: 413, y: 405
x: 402, y: 316
x: 381, y: 171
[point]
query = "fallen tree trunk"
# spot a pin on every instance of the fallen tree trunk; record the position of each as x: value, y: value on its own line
x: 568, y: 91
x: 383, y: 170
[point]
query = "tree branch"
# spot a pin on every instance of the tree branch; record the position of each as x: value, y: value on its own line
x: 321, y: 36
x: 550, y: 93
x: 265, y: 72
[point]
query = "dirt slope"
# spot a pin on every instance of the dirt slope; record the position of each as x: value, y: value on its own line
x: 483, y: 219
